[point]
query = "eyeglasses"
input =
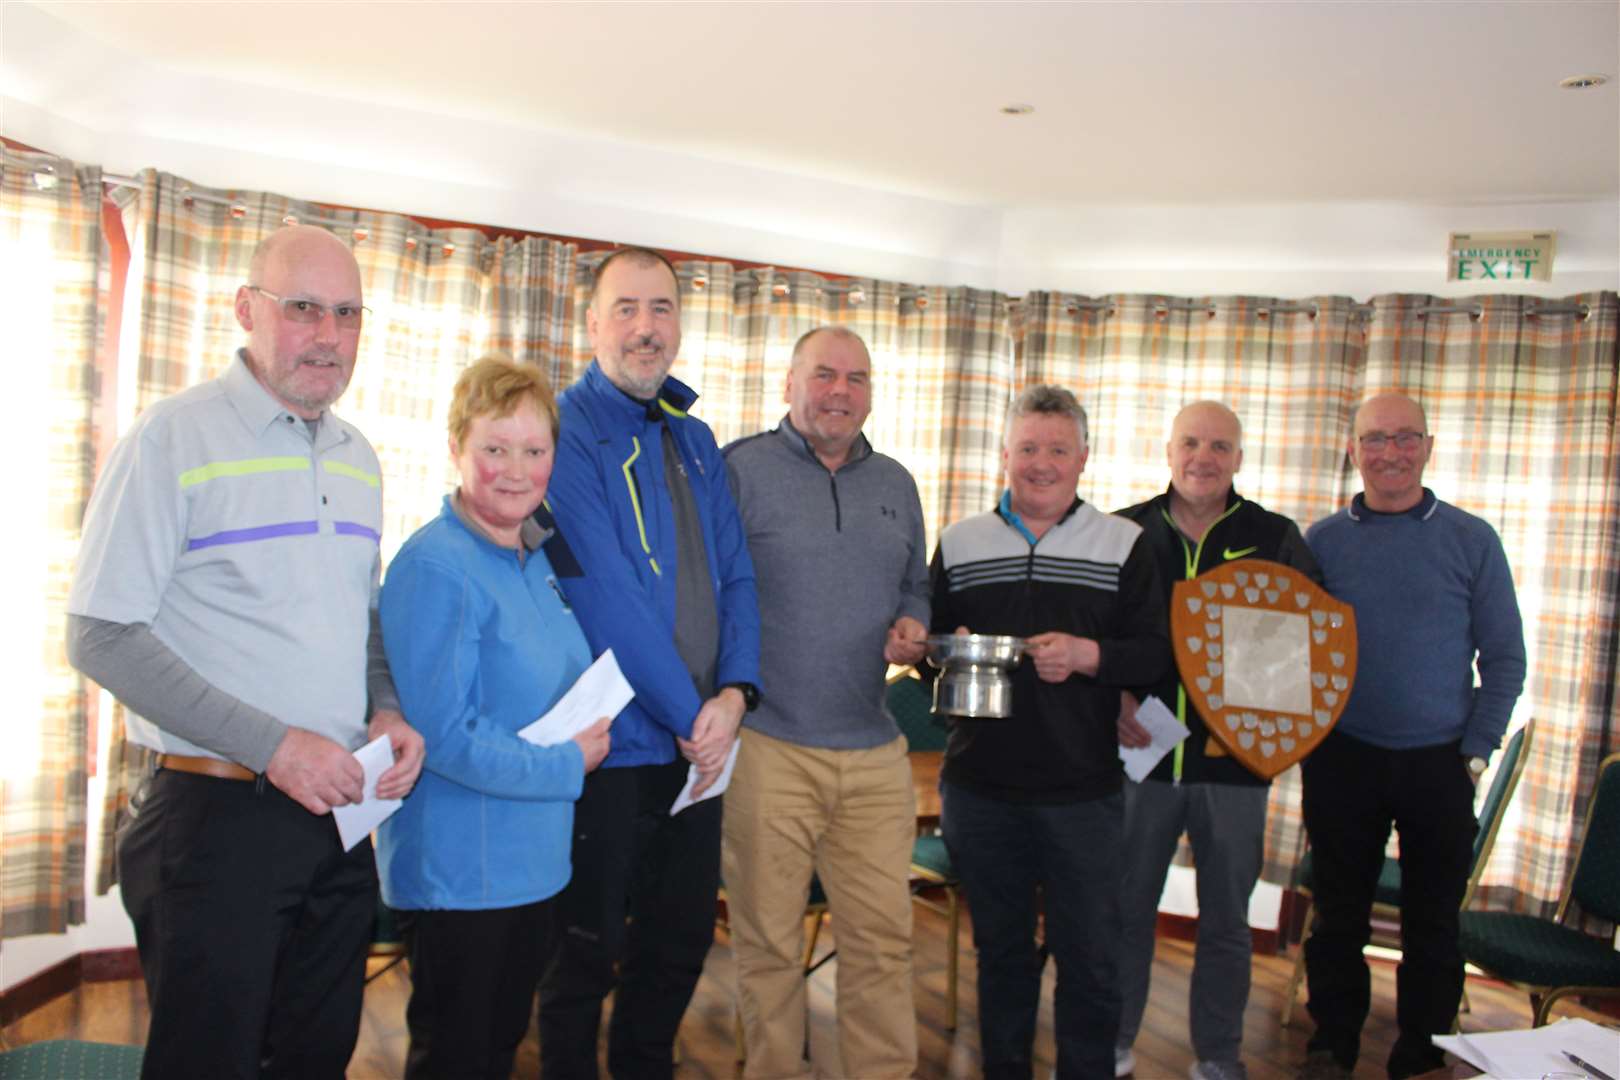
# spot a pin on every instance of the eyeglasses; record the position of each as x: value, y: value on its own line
x: 1405, y: 441
x: 297, y: 309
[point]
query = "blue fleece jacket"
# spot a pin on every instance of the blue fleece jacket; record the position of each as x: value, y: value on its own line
x: 610, y: 500
x: 1432, y: 590
x: 480, y: 645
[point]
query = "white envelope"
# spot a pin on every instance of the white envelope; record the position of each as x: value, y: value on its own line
x: 356, y: 820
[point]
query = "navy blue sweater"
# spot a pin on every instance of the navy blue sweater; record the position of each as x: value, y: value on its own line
x: 1432, y: 589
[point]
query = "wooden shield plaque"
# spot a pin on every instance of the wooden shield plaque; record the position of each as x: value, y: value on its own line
x: 1267, y: 657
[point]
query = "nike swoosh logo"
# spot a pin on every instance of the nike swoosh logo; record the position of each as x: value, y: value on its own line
x: 1230, y: 554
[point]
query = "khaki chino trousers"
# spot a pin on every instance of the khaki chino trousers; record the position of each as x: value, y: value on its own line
x: 848, y: 816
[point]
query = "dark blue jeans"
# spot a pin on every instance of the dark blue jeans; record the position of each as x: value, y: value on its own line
x: 1007, y: 854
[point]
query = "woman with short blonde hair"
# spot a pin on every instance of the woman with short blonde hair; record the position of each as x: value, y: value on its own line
x: 481, y: 642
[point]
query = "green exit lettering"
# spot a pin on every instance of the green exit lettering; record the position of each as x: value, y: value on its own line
x: 1470, y: 267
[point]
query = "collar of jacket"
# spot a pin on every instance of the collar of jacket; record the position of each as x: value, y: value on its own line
x: 674, y: 397
x: 1004, y: 510
x: 860, y: 451
x: 1232, y: 497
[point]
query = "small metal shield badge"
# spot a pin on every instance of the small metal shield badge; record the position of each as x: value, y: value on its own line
x: 1267, y: 658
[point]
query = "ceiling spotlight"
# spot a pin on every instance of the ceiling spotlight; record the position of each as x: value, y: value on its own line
x: 1583, y: 82
x: 1017, y: 110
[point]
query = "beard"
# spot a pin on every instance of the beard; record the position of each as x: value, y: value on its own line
x: 634, y: 376
x: 285, y: 384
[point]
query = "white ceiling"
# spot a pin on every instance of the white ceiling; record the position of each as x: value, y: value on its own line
x: 1140, y: 103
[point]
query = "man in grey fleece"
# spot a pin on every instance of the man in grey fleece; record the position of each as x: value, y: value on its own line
x: 822, y: 783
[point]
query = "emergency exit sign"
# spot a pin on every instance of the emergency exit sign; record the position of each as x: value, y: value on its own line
x: 1502, y: 256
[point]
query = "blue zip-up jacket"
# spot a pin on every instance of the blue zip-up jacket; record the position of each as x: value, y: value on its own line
x: 609, y: 499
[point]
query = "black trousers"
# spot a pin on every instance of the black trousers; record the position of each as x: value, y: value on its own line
x: 1353, y: 792
x: 252, y: 925
x: 636, y: 919
x: 473, y: 978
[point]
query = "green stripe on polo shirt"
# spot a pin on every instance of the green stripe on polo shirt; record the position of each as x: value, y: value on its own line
x: 341, y: 469
x: 214, y: 470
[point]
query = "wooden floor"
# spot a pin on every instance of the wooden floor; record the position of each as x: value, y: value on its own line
x: 116, y: 1012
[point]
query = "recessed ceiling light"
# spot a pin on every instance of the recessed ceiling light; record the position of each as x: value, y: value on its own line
x: 1582, y: 82
x: 1017, y: 110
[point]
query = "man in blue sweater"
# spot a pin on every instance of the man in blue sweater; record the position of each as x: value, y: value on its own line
x: 640, y: 493
x: 1433, y: 595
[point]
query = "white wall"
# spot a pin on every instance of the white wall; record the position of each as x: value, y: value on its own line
x: 67, y: 93
x: 1296, y: 250
x: 688, y: 204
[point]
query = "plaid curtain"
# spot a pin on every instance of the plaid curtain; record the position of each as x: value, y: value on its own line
x: 1521, y: 397
x: 1287, y: 368
x: 941, y: 366
x: 439, y: 298
x: 51, y: 265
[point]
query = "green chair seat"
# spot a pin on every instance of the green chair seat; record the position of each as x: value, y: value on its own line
x: 1548, y: 959
x: 1525, y: 949
x: 928, y: 853
x: 70, y: 1059
x: 911, y: 704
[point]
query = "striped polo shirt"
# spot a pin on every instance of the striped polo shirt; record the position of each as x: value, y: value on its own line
x: 249, y: 544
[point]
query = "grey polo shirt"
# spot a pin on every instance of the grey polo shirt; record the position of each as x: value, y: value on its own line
x: 249, y: 544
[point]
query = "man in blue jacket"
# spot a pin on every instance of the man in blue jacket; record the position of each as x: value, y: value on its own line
x: 640, y: 491
x: 1434, y: 598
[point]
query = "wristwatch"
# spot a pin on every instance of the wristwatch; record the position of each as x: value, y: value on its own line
x: 1476, y: 766
x: 750, y: 694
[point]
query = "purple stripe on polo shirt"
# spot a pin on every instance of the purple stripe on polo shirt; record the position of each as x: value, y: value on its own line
x: 248, y: 536
x: 354, y: 528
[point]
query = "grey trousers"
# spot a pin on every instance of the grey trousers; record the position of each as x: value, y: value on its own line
x: 1226, y: 824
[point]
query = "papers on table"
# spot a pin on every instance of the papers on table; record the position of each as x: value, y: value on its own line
x: 356, y: 820
x: 1166, y: 731
x: 684, y: 799
x: 1538, y: 1051
x: 601, y: 691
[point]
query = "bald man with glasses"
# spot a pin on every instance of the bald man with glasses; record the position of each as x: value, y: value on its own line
x: 1434, y: 597
x: 226, y: 593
